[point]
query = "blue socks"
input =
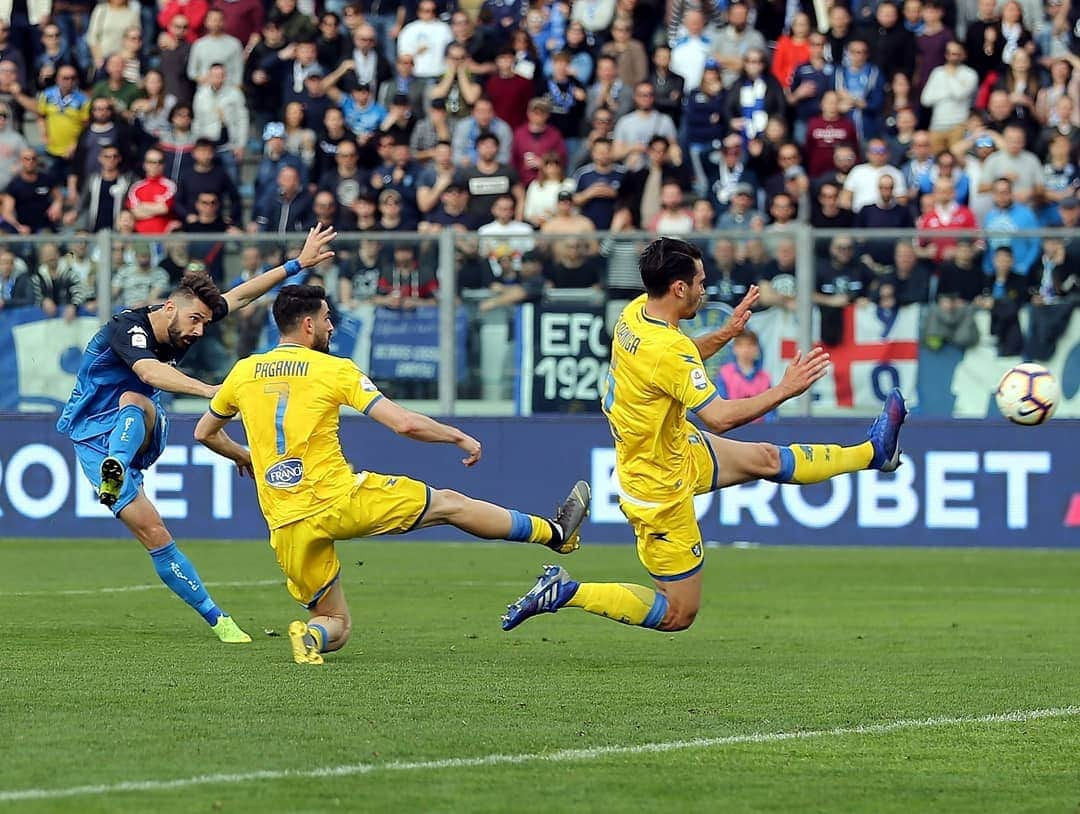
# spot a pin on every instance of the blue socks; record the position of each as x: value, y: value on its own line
x: 128, y: 435
x: 177, y: 572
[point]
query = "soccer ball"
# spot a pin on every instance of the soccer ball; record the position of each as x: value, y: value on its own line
x: 1028, y: 394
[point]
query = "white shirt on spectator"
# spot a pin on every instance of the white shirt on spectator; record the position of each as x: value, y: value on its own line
x: 432, y: 36
x: 949, y: 93
x: 862, y: 183
x: 207, y: 51
x: 688, y: 56
x: 208, y: 121
x: 500, y: 240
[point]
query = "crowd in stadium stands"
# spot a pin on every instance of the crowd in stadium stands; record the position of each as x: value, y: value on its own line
x: 516, y: 118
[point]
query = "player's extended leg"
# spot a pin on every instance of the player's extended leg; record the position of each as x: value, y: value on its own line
x: 131, y: 435
x: 327, y: 630
x: 176, y: 570
x: 490, y: 522
x: 740, y: 462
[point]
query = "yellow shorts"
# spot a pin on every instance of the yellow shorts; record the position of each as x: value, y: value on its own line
x: 377, y: 504
x: 668, y: 537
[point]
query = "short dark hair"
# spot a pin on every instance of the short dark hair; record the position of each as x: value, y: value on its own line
x: 294, y: 302
x: 197, y: 285
x: 666, y: 260
x: 489, y: 136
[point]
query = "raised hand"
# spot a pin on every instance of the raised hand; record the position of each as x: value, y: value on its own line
x: 804, y: 371
x: 736, y: 323
x: 315, y: 251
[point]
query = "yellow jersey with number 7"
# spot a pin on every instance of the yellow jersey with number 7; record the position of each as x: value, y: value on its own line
x: 289, y: 400
x: 656, y: 375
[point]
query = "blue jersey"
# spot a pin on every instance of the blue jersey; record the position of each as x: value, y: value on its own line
x: 105, y: 373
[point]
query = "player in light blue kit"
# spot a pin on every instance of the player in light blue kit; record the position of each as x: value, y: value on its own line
x: 115, y: 418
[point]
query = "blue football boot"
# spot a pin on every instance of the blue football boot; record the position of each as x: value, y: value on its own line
x: 552, y: 590
x: 884, y: 433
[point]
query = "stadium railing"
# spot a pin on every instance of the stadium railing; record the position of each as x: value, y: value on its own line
x: 453, y: 349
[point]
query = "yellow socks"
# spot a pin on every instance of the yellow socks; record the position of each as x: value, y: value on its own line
x: 528, y: 528
x: 811, y: 463
x: 629, y: 604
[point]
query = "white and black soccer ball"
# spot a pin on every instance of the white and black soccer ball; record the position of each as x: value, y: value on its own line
x: 1028, y: 394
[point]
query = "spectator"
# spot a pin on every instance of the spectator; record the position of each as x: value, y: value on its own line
x: 827, y: 214
x: 899, y: 141
x: 56, y: 290
x: 31, y: 202
x: 861, y: 186
x: 215, y: 47
x: 838, y: 34
x: 754, y: 98
x: 458, y: 87
x: 480, y: 44
x: 1015, y: 34
x: 284, y: 208
x: 744, y: 377
x: 1062, y: 124
x: 207, y: 176
x: 363, y: 115
x: 504, y: 240
x: 1021, y: 83
x: 328, y: 213
x: 1054, y: 299
x: 195, y: 11
x: 1008, y: 215
x: 920, y: 170
x: 810, y: 81
x: 221, y: 116
x: 178, y: 141
x: 299, y: 140
x: 331, y: 46
x: 640, y: 191
x: 742, y: 214
x: 1005, y: 292
x: 574, y: 266
x: 1061, y: 180
x: 567, y: 221
x: 908, y: 276
x: 705, y: 117
x: 931, y: 43
x: 53, y: 53
x: 152, y: 199
x: 526, y: 286
x: 151, y: 111
x: 567, y: 98
x: 597, y: 185
x: 108, y: 22
x: 258, y: 81
x: 1064, y: 84
x: 369, y: 64
x: 174, y: 53
x: 893, y: 46
x: 1021, y: 167
x: 345, y: 181
x: 416, y: 90
x: 951, y: 319
x: 946, y: 214
x: 115, y: 87
x: 467, y: 132
x: 949, y: 92
x: 510, y: 93
x: 135, y: 64
x: 63, y: 111
x: 792, y: 50
x: 543, y: 192
x: 630, y: 58
x: 451, y: 212
x: 668, y: 85
x: 608, y: 91
x: 12, y: 143
x: 983, y: 41
x: 249, y: 320
x: 673, y: 218
x: 533, y: 140
x: 274, y: 159
x: 294, y: 24
x: 400, y: 173
x: 394, y: 217
x: 358, y: 285
x: 430, y: 131
x: 732, y: 171
x: 16, y: 282
x: 102, y: 195
x: 981, y: 143
x: 426, y: 38
x: 735, y: 41
x: 406, y: 286
x: 690, y: 51
x: 635, y: 130
x: 861, y: 88
x: 208, y: 220
x: 140, y: 283
x: 244, y: 19
x: 839, y: 282
x: 825, y: 132
x: 11, y: 94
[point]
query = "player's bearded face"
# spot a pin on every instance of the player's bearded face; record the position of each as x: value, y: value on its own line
x: 322, y: 330
x: 694, y: 297
x: 187, y: 325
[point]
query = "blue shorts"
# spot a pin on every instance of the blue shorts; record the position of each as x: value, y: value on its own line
x: 92, y: 451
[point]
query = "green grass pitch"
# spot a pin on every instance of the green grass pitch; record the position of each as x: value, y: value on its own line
x: 822, y: 680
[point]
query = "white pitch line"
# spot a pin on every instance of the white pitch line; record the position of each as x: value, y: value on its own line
x: 560, y: 756
x: 123, y: 589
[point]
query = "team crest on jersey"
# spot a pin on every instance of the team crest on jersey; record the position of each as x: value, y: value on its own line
x: 695, y: 549
x: 138, y: 337
x: 698, y: 379
x: 285, y: 474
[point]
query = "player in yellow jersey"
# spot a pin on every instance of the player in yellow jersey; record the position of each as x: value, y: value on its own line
x: 289, y: 400
x: 663, y: 461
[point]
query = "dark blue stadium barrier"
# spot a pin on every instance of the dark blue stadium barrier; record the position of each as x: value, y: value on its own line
x: 965, y: 483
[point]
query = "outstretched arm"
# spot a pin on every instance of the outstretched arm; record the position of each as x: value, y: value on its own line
x: 711, y: 343
x: 721, y: 415
x: 422, y: 428
x: 314, y: 252
x: 210, y: 432
x: 166, y: 377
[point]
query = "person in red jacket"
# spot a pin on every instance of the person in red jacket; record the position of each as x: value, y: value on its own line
x: 533, y: 140
x: 945, y: 214
x: 193, y: 10
x: 151, y: 199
